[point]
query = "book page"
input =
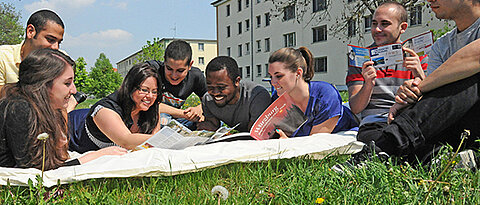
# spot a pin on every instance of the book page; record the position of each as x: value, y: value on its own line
x: 421, y: 44
x: 357, y: 56
x: 387, y: 55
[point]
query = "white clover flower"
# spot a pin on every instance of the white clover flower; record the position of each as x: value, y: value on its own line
x: 220, y: 191
x: 42, y: 136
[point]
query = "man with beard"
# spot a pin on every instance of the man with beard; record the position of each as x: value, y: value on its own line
x: 229, y: 99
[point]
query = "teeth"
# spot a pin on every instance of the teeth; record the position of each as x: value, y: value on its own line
x: 218, y: 98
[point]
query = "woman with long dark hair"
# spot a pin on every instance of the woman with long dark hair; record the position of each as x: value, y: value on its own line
x: 35, y: 105
x: 127, y: 117
x: 292, y: 71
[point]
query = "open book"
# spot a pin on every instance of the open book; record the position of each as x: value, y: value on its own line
x: 390, y: 54
x: 281, y: 114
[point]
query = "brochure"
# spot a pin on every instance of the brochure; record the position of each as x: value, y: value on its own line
x: 390, y: 54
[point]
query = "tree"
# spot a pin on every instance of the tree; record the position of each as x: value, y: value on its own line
x: 104, y: 80
x: 152, y: 51
x: 82, y: 81
x: 352, y: 13
x: 11, y: 30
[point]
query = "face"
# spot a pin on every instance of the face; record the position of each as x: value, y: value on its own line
x: 50, y: 37
x: 283, y: 79
x: 222, y: 89
x: 62, y: 88
x: 176, y: 70
x: 445, y: 9
x: 386, y: 26
x: 146, y: 94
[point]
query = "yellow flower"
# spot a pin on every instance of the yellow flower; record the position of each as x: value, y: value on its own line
x: 319, y: 200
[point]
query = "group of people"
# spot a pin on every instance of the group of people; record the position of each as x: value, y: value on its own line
x: 402, y: 109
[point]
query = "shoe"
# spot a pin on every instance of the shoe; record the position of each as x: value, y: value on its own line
x: 358, y: 160
x: 467, y: 160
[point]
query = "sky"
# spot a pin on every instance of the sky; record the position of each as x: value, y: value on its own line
x: 120, y: 28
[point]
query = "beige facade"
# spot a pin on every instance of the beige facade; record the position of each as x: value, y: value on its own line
x: 202, y: 52
x: 245, y: 33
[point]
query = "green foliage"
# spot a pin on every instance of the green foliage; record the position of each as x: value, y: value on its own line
x: 82, y: 81
x: 87, y: 103
x: 104, y: 80
x: 192, y: 101
x: 11, y: 30
x: 437, y: 33
x: 152, y: 51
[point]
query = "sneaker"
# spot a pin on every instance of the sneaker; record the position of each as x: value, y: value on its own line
x: 467, y: 160
x: 358, y: 160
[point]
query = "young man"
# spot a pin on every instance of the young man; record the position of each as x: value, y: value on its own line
x: 44, y: 30
x: 229, y: 99
x: 451, y: 99
x: 372, y: 91
x: 180, y: 80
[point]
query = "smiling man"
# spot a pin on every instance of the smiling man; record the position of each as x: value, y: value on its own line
x: 44, y: 30
x: 372, y: 91
x: 180, y: 81
x: 230, y: 99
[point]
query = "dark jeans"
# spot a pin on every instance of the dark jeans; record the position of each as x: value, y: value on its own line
x: 368, y: 132
x: 438, y: 118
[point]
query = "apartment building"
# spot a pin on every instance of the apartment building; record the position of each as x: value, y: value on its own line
x: 250, y: 30
x: 203, y: 51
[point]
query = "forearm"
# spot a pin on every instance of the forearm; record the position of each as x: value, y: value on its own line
x: 463, y: 64
x: 175, y: 112
x: 130, y: 141
x: 359, y: 101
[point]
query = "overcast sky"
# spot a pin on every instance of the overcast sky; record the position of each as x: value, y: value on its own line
x: 119, y: 28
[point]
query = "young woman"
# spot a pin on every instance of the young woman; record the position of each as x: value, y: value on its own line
x: 33, y: 106
x: 292, y: 70
x: 127, y: 117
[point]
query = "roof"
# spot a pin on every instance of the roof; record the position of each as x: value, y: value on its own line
x: 129, y: 56
x: 218, y: 2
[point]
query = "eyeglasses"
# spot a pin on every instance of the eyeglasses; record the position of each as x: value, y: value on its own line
x: 145, y: 91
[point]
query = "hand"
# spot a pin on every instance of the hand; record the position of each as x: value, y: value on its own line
x: 413, y: 64
x: 113, y: 150
x: 194, y: 114
x: 395, y: 110
x: 281, y: 133
x: 408, y: 93
x: 369, y: 73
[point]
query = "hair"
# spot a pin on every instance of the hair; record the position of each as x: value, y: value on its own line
x: 294, y: 59
x: 400, y: 10
x: 179, y: 50
x: 147, y: 120
x: 36, y: 75
x: 40, y: 18
x: 224, y: 62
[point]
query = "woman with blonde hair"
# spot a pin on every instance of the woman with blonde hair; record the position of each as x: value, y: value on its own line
x: 291, y: 71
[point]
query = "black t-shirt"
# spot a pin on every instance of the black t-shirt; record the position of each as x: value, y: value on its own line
x: 175, y: 95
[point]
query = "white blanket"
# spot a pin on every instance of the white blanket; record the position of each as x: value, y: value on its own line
x: 164, y: 162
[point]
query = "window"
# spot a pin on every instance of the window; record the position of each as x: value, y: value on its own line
x: 352, y: 27
x: 259, y: 45
x: 229, y: 52
x: 228, y: 10
x: 201, y: 46
x: 259, y: 21
x: 228, y: 31
x: 247, y: 48
x: 247, y: 3
x: 239, y: 27
x: 267, y: 45
x: 240, y: 50
x: 416, y: 15
x: 288, y: 13
x: 247, y: 25
x: 240, y: 69
x: 259, y: 70
x: 289, y: 39
x: 258, y: 1
x: 320, y: 33
x: 321, y: 65
x: 201, y: 60
x: 368, y: 23
x: 350, y: 1
x: 319, y: 5
x: 266, y: 71
x: 267, y: 19
x: 239, y: 5
x: 248, y: 71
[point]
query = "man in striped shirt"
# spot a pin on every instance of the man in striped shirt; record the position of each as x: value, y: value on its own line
x: 372, y: 91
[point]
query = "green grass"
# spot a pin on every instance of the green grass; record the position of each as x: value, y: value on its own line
x: 287, y: 181
x: 87, y: 103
